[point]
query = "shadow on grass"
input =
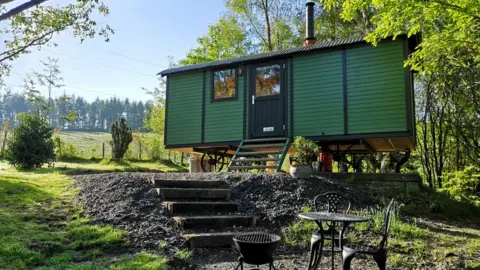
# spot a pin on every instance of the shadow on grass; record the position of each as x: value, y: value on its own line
x: 20, y: 193
x: 39, y: 228
x: 436, y: 229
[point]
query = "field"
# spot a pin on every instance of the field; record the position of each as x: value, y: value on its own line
x: 96, y: 145
x: 87, y: 143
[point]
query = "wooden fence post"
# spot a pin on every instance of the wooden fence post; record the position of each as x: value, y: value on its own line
x: 4, y: 141
x: 140, y: 150
x: 60, y: 147
x: 103, y: 150
x: 181, y: 160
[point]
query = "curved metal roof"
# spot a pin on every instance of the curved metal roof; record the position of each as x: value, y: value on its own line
x: 264, y: 56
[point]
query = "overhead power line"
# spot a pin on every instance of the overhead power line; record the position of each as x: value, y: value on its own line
x: 132, y: 58
x: 75, y: 87
x: 102, y: 64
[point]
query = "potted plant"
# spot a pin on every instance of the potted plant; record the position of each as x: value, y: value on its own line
x: 305, y: 153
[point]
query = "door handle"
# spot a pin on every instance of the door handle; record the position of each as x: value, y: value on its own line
x: 253, y: 99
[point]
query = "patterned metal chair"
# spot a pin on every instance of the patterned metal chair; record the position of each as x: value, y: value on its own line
x: 335, y: 203
x: 379, y: 253
x: 329, y: 202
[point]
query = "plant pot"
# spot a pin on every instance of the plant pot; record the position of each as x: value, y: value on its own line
x: 301, y: 171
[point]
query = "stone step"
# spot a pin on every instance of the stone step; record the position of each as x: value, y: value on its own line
x: 203, y: 240
x: 213, y: 222
x: 200, y: 207
x: 194, y: 193
x: 162, y: 183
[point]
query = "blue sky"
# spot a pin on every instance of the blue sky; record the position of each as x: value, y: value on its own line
x: 146, y: 33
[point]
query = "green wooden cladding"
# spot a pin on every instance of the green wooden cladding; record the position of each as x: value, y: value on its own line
x: 375, y: 87
x: 318, y: 94
x: 375, y: 91
x: 223, y: 119
x: 184, y: 115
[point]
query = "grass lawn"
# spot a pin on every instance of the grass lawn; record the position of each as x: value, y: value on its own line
x: 41, y: 228
x: 100, y: 166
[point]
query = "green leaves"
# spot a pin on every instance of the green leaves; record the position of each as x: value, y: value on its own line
x: 31, y: 144
x: 36, y: 26
x: 305, y: 150
x: 225, y: 39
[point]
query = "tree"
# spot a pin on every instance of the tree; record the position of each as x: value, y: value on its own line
x: 51, y: 79
x: 31, y: 145
x: 225, y: 39
x: 121, y: 138
x: 31, y: 24
x: 275, y: 24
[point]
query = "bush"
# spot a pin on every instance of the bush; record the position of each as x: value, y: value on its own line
x: 464, y: 186
x: 305, y: 151
x: 65, y: 150
x: 31, y: 144
x: 121, y: 138
x: 154, y: 147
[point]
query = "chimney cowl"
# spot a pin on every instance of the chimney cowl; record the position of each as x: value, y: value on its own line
x: 309, y: 24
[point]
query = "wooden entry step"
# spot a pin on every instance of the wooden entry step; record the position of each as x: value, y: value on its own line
x: 260, y: 154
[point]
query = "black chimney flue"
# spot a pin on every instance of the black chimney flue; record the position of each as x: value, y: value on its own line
x: 309, y: 33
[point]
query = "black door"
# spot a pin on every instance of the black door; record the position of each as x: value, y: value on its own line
x: 267, y: 101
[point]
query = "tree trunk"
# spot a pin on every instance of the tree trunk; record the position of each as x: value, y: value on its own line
x: 267, y: 25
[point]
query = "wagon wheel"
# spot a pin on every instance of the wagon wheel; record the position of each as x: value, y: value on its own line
x: 214, y: 158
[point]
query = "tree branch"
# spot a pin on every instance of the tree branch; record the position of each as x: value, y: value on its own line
x: 457, y: 7
x: 247, y: 14
x: 26, y: 46
x: 14, y: 11
x: 3, y: 2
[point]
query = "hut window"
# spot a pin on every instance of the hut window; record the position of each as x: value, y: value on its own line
x: 224, y: 86
x: 267, y: 81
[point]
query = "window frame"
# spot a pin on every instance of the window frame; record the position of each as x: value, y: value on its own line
x: 212, y: 85
x: 266, y: 64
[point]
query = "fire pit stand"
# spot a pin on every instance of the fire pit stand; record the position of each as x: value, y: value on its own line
x: 256, y: 248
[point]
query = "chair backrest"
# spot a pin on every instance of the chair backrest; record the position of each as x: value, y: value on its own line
x: 389, y: 211
x: 331, y: 202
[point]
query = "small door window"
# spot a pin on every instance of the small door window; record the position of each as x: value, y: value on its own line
x: 267, y: 82
x: 224, y: 85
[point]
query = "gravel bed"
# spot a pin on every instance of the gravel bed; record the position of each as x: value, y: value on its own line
x: 127, y: 201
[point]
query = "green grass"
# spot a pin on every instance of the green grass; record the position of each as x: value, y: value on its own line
x: 444, y: 238
x: 87, y: 143
x: 184, y: 254
x: 41, y: 228
x: 100, y: 166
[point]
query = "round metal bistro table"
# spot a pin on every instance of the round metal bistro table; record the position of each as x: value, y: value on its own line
x: 316, y: 247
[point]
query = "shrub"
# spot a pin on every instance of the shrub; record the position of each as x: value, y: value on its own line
x: 305, y: 150
x: 154, y: 148
x: 464, y: 186
x: 64, y: 149
x: 121, y: 138
x: 31, y: 144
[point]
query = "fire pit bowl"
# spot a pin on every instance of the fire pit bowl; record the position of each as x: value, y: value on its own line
x: 256, y: 248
